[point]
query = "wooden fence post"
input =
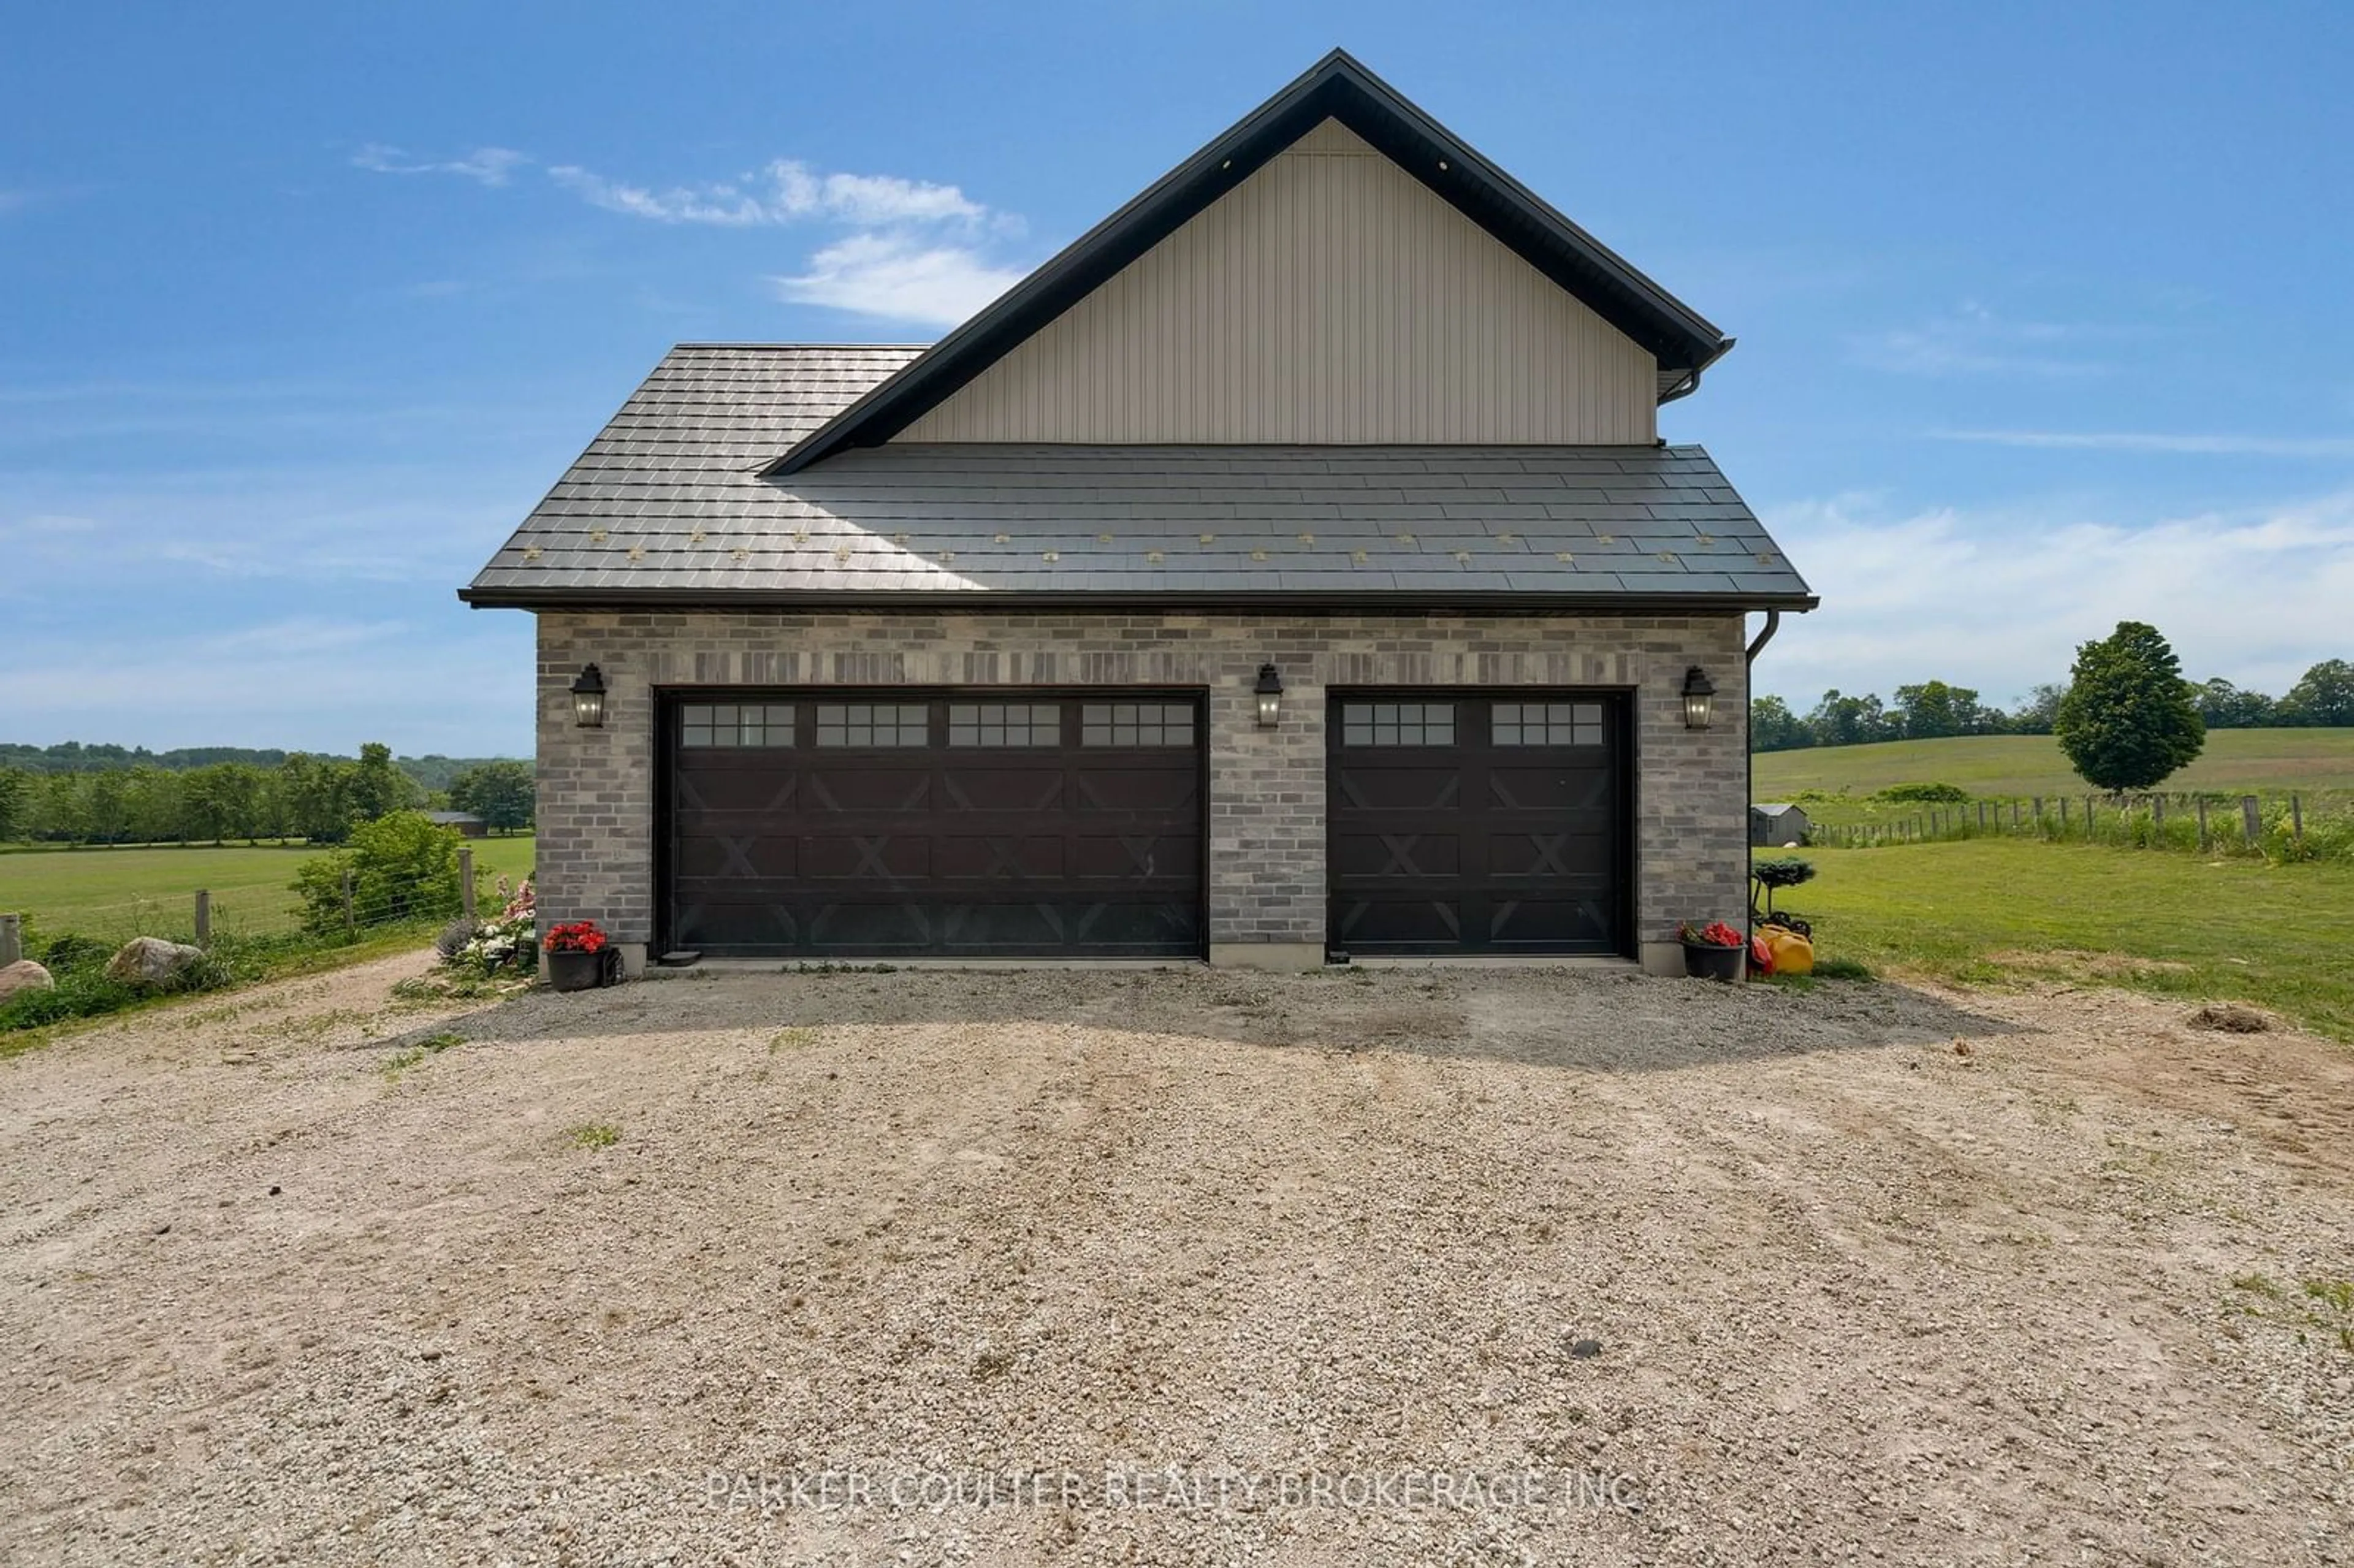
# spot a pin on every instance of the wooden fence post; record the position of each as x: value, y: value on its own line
x: 2250, y: 818
x: 466, y: 882
x: 2296, y: 817
x: 2014, y: 816
x: 204, y: 917
x: 2039, y: 810
x: 2203, y: 824
x: 351, y: 917
x: 2156, y: 818
x: 12, y: 939
x: 2064, y: 816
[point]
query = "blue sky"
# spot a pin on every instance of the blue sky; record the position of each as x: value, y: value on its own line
x: 2043, y: 310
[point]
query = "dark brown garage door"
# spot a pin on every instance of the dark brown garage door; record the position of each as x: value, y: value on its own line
x: 1478, y: 823
x: 875, y: 824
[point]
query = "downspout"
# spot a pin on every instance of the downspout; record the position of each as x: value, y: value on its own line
x: 1749, y: 740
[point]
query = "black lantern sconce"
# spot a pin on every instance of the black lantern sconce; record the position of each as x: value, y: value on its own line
x: 1270, y: 691
x: 588, y: 699
x: 1700, y: 698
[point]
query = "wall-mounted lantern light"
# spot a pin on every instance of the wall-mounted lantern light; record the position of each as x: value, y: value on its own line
x: 1699, y: 698
x: 1270, y: 691
x: 588, y: 699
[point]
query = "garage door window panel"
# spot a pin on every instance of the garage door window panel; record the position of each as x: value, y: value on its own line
x: 874, y: 724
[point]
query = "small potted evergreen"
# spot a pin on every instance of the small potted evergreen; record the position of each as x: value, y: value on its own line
x: 1714, y: 951
x: 575, y: 956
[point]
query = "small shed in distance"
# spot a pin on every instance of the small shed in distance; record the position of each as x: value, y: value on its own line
x: 1777, y: 822
x: 471, y: 826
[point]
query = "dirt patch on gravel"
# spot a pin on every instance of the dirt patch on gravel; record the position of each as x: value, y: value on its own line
x: 1736, y: 1275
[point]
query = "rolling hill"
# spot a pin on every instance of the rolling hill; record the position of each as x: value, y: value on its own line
x: 2250, y: 760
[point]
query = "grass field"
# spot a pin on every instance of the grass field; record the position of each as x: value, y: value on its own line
x: 110, y: 891
x: 1995, y: 911
x: 2238, y: 760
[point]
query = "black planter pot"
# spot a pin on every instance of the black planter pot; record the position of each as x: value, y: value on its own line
x: 1705, y: 962
x: 575, y: 971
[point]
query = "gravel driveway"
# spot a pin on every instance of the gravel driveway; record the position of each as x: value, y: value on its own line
x: 1415, y: 1268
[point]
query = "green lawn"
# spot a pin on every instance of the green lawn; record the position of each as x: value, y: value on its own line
x: 108, y: 891
x: 2238, y: 760
x: 1991, y: 911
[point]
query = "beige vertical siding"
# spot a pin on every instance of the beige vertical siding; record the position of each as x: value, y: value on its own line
x: 1329, y: 298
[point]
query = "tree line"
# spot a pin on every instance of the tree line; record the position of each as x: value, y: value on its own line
x: 433, y: 770
x: 1933, y: 709
x: 319, y: 799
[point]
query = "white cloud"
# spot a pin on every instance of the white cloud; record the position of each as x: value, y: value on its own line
x: 902, y: 278
x: 721, y: 204
x: 2140, y: 441
x: 909, y: 250
x: 785, y: 192
x: 490, y: 165
x: 1974, y: 341
x: 1999, y: 599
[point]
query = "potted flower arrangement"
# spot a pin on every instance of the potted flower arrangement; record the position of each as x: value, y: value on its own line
x: 1714, y: 951
x: 575, y: 956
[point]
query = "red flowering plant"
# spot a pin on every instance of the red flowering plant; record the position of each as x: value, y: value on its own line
x: 579, y: 936
x: 1715, y: 933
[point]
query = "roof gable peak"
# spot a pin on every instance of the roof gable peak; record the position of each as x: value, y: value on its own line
x: 1337, y: 88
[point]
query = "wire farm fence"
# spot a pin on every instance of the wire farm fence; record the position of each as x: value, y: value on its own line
x: 339, y: 907
x: 2281, y: 828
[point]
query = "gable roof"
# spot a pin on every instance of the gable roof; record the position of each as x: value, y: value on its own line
x: 1338, y: 87
x: 667, y: 507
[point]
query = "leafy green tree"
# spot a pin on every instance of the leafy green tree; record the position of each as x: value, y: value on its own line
x: 2129, y: 720
x: 155, y: 803
x: 312, y: 797
x: 59, y: 811
x: 222, y: 800
x: 2224, y: 706
x: 378, y: 787
x: 1934, y: 708
x: 1773, y: 727
x: 2037, y: 710
x: 110, y: 813
x: 502, y: 793
x: 15, y: 804
x: 1848, y: 721
x: 2323, y: 695
x: 402, y: 867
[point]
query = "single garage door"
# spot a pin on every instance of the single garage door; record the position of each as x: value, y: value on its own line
x: 1478, y: 822
x: 876, y: 825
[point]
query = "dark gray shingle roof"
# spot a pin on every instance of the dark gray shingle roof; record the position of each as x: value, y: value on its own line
x: 669, y: 502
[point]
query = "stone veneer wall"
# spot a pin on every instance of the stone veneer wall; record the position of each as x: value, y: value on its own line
x: 1267, y: 786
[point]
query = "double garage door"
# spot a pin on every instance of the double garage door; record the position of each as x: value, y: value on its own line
x: 889, y: 823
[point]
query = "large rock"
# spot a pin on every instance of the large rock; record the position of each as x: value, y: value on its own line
x: 23, y: 975
x: 151, y: 960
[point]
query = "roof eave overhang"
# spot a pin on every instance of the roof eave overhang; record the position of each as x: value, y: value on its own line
x: 984, y: 602
x: 1338, y: 87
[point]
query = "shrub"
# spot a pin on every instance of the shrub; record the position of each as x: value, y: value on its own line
x: 1926, y: 794
x: 402, y: 866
